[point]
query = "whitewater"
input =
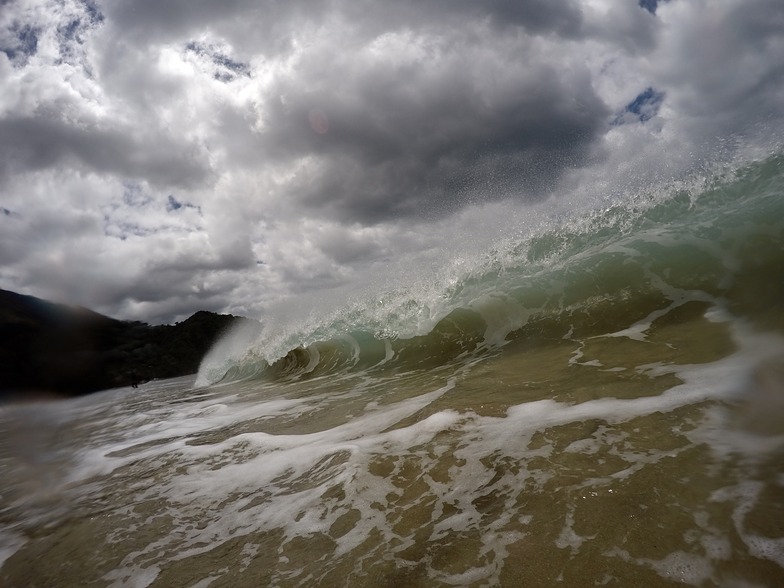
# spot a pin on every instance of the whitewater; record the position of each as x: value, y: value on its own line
x: 595, y: 400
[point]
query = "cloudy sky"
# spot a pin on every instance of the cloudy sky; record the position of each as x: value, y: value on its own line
x: 163, y: 156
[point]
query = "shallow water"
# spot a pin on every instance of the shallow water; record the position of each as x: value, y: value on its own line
x: 605, y: 461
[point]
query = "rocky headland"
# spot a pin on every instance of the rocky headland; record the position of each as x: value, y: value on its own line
x: 55, y: 349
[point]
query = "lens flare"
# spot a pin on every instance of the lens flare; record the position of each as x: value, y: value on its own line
x: 318, y: 121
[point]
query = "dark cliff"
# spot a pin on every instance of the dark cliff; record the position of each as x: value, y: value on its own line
x: 53, y: 348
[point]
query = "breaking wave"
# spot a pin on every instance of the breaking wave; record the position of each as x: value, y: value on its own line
x: 612, y: 271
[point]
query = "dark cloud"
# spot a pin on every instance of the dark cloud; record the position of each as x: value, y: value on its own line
x: 253, y: 27
x: 31, y: 143
x: 482, y: 114
x: 427, y: 137
x: 630, y: 28
x: 272, y: 24
x: 562, y: 18
x: 405, y: 137
x: 535, y: 16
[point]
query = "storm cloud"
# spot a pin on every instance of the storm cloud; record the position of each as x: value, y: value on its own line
x: 157, y: 157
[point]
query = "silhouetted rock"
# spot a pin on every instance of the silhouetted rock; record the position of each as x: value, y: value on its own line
x: 54, y: 348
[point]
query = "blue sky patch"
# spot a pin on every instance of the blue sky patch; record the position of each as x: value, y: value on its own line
x: 94, y: 14
x: 644, y: 107
x: 24, y: 45
x: 650, y: 5
x: 226, y: 68
x: 134, y: 196
x: 173, y: 204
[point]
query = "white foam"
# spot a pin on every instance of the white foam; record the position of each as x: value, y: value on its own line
x: 766, y: 548
x: 205, y: 582
x: 136, y: 577
x: 255, y: 481
x: 568, y: 537
x: 745, y: 496
x: 274, y: 461
x: 716, y: 547
x: 587, y: 446
x: 684, y: 567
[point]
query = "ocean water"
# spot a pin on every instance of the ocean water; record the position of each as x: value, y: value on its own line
x: 598, y: 400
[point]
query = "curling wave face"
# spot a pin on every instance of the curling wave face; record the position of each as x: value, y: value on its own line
x: 614, y: 270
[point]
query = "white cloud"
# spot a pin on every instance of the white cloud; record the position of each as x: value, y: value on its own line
x: 161, y: 157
